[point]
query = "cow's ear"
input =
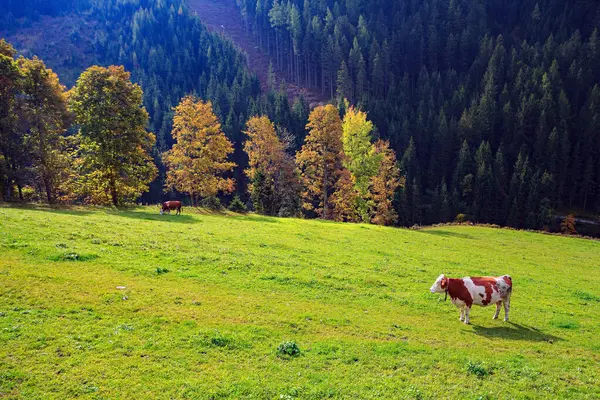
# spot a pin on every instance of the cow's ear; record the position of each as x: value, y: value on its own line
x: 444, y: 283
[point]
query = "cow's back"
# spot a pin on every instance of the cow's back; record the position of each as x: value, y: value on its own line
x: 486, y: 290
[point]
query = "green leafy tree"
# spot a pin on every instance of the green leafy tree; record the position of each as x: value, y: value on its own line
x: 44, y: 121
x: 11, y: 147
x: 362, y: 159
x: 113, y: 163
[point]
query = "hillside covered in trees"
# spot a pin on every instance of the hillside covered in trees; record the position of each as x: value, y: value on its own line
x: 492, y: 107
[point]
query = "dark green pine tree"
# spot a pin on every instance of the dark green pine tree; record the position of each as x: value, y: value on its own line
x: 483, y: 206
x: 501, y: 199
x: 416, y: 208
x: 445, y: 203
x: 344, y: 84
x: 462, y: 180
x: 262, y: 194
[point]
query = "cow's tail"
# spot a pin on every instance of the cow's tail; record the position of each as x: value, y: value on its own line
x: 510, y: 283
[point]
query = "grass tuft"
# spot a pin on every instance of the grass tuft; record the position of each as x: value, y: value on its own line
x: 288, y: 349
x: 477, y: 369
x: 586, y: 296
x: 565, y: 324
x: 72, y: 256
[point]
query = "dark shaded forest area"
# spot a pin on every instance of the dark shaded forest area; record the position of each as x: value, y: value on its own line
x: 493, y: 107
x: 493, y: 104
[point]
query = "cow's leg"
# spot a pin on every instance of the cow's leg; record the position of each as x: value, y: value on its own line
x: 467, y: 314
x: 461, y: 310
x: 498, y: 305
x: 506, y: 308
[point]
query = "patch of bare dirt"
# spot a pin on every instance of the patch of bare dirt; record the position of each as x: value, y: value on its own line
x: 223, y: 17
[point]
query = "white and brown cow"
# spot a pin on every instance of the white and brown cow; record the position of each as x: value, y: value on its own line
x: 482, y: 291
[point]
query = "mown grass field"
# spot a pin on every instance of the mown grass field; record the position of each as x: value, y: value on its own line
x: 209, y: 298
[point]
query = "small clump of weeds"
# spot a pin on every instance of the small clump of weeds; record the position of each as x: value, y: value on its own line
x: 565, y: 324
x: 415, y: 393
x: 477, y: 369
x: 72, y: 256
x: 288, y: 349
x: 220, y: 340
x: 586, y: 296
x: 124, y: 328
x: 160, y: 271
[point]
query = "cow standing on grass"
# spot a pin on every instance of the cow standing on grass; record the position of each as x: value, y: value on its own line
x: 167, y: 206
x: 482, y: 291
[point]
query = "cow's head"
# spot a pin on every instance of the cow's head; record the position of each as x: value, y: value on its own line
x: 162, y: 208
x: 440, y: 285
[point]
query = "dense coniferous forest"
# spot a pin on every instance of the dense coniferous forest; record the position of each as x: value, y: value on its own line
x: 492, y: 107
x: 31, y: 10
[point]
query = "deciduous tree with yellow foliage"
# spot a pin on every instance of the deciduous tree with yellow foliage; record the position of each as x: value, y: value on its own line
x: 270, y: 165
x: 384, y: 184
x: 199, y: 158
x: 265, y: 150
x: 361, y: 158
x: 320, y: 160
x: 345, y: 198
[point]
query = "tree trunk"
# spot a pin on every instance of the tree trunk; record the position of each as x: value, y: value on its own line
x: 277, y: 50
x: 48, y: 187
x: 325, y: 211
x: 20, y: 191
x: 113, y: 191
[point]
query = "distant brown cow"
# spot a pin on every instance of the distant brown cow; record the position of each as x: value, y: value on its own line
x: 167, y: 206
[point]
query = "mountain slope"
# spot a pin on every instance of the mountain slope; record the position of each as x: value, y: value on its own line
x: 223, y: 17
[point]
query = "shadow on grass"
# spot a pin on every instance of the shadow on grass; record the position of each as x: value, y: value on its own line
x: 145, y: 216
x: 515, y: 332
x: 257, y: 218
x: 81, y: 211
x: 66, y: 210
x: 437, y: 232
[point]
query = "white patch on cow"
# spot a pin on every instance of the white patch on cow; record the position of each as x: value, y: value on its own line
x: 503, y: 286
x: 479, y: 295
x: 437, y: 286
x: 498, y: 306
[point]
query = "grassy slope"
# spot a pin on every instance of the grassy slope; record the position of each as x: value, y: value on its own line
x: 355, y: 298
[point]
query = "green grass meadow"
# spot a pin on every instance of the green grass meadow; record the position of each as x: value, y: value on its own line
x: 208, y: 299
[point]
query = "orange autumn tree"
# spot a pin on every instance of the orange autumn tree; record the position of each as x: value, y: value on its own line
x: 273, y: 181
x: 198, y: 159
x: 320, y: 160
x: 345, y: 198
x: 384, y: 184
x: 265, y: 150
